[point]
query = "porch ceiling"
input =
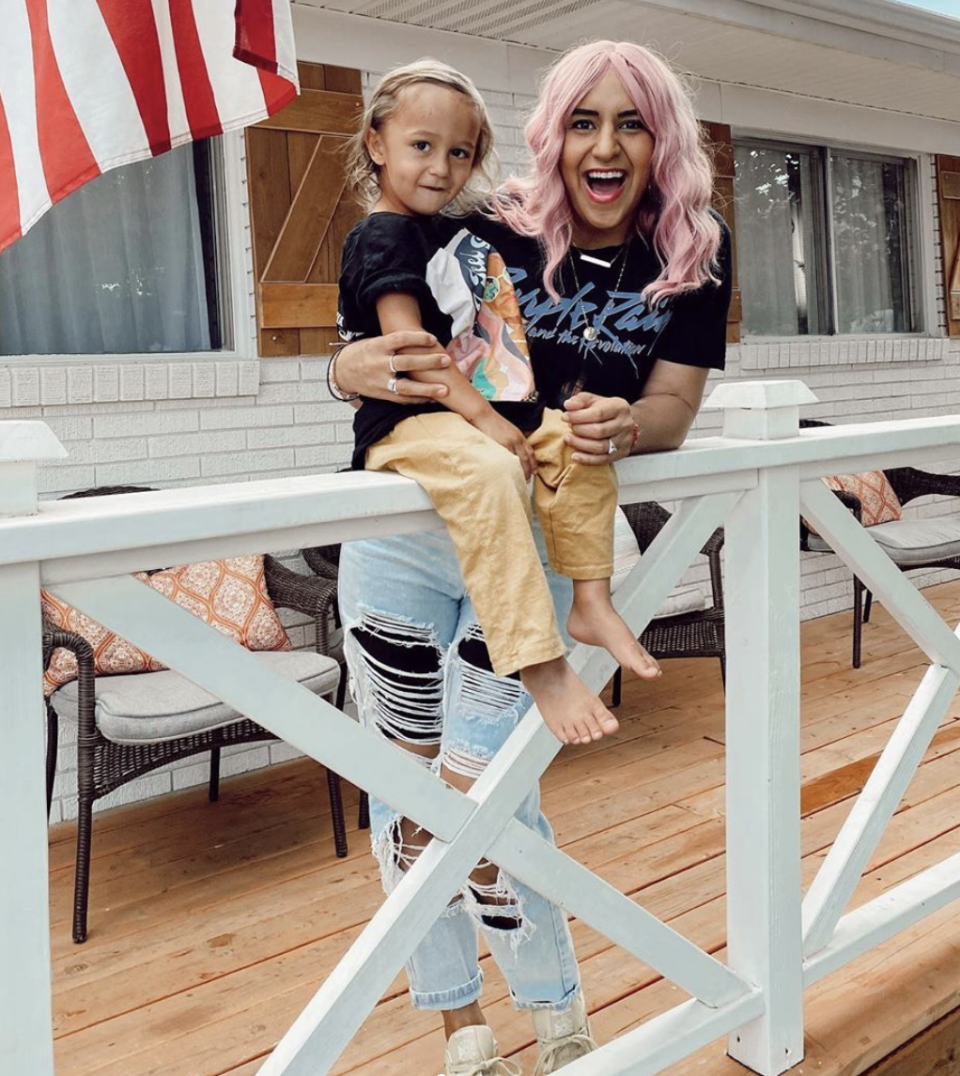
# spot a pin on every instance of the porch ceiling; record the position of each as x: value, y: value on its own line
x: 866, y: 53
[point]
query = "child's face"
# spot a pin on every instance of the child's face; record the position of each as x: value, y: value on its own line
x: 426, y: 150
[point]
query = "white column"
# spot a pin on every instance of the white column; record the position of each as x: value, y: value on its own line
x: 26, y: 1031
x: 763, y: 729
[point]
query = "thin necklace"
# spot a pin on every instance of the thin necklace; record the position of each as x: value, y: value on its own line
x: 592, y: 332
x: 585, y: 257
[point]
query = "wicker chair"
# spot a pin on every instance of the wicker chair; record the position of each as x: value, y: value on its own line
x: 694, y: 634
x: 910, y: 543
x: 104, y: 764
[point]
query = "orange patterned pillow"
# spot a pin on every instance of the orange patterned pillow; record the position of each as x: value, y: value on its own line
x: 229, y: 595
x: 880, y: 502
x: 111, y: 654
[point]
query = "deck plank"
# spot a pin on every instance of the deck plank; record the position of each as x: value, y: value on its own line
x: 212, y: 925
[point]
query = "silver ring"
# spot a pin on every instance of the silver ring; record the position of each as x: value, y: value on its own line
x: 392, y: 386
x: 393, y: 365
x: 611, y: 447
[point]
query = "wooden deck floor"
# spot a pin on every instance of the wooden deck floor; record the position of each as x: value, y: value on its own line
x: 211, y: 925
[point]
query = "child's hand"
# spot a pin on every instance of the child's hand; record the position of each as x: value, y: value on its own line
x: 505, y: 433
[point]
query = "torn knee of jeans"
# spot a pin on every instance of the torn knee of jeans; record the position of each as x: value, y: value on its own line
x: 396, y: 852
x: 466, y: 760
x: 455, y: 906
x: 501, y: 910
x: 397, y: 677
x: 485, y: 695
x: 396, y: 849
x: 496, y: 905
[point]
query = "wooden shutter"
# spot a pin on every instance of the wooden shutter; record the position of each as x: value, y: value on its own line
x: 720, y: 145
x: 948, y: 198
x: 300, y: 211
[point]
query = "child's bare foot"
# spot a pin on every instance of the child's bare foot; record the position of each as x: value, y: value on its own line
x: 569, y: 708
x: 594, y: 620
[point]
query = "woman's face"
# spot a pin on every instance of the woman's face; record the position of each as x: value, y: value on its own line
x: 605, y: 164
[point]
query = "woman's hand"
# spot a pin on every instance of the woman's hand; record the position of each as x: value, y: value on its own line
x: 369, y: 367
x: 596, y: 423
x: 498, y: 429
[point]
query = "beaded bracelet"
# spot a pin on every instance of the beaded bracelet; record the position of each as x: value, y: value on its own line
x: 635, y: 437
x: 332, y: 387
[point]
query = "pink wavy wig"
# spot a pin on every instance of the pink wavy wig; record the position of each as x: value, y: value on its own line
x: 674, y: 213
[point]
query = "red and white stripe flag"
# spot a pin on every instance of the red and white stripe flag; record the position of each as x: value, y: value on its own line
x: 88, y: 85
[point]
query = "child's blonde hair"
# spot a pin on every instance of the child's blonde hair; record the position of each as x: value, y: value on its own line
x: 362, y: 171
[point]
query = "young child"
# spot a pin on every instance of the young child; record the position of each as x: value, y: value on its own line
x: 424, y: 143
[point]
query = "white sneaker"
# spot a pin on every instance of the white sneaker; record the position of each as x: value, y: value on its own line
x: 563, y: 1036
x: 473, y: 1051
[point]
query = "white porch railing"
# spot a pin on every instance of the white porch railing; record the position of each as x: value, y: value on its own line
x: 756, y: 479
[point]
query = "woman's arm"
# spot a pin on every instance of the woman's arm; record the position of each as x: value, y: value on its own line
x: 668, y: 405
x: 398, y: 312
x: 662, y: 416
x: 364, y: 366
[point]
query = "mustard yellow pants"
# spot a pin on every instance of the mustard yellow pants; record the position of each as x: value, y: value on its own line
x: 478, y: 489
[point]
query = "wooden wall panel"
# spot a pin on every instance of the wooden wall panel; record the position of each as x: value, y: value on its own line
x: 720, y: 145
x: 301, y: 212
x: 948, y: 200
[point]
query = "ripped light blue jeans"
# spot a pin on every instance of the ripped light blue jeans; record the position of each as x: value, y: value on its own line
x: 420, y: 675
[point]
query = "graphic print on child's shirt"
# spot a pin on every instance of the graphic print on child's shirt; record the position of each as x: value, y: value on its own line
x: 469, y: 281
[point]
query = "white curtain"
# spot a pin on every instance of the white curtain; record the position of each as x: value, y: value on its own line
x: 117, y: 267
x: 775, y: 242
x: 867, y: 206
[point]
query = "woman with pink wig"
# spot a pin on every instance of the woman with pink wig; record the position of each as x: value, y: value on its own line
x: 622, y: 275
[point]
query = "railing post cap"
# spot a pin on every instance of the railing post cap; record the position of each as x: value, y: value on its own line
x: 759, y: 395
x: 23, y: 441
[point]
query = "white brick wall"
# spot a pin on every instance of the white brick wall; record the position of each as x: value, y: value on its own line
x: 195, y: 423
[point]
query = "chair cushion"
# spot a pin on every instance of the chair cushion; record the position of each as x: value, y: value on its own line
x: 626, y: 553
x: 164, y: 705
x: 912, y: 541
x: 817, y: 544
x: 230, y: 595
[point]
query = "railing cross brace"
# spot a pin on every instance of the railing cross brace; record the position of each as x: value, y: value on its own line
x: 837, y: 878
x: 758, y: 994
x: 481, y: 822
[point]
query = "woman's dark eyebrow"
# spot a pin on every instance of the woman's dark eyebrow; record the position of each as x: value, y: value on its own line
x: 594, y: 112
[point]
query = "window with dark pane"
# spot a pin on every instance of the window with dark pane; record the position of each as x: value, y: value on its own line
x: 824, y: 240
x: 776, y: 192
x: 127, y: 264
x: 871, y: 250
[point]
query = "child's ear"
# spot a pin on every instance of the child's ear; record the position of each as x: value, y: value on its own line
x: 374, y: 144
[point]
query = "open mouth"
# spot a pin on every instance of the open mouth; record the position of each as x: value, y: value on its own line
x: 605, y: 185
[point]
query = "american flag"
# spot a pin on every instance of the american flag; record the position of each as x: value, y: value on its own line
x: 88, y: 85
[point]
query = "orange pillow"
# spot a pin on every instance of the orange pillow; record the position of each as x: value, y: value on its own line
x: 876, y: 495
x: 229, y: 595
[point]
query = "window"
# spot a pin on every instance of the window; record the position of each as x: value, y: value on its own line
x: 824, y: 240
x: 129, y: 263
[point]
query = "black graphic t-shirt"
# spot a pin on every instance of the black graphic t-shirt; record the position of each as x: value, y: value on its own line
x: 466, y: 299
x: 631, y: 333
